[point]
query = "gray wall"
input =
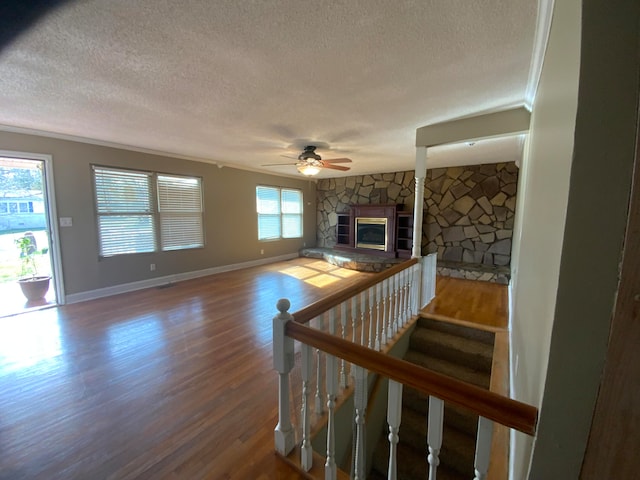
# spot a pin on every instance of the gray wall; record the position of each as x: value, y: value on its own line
x: 603, y: 157
x: 540, y: 217
x: 230, y: 214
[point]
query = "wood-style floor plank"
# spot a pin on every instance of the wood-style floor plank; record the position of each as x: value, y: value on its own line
x: 484, y: 304
x: 172, y: 382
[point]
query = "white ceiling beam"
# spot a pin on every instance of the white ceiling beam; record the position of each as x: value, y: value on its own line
x: 507, y: 122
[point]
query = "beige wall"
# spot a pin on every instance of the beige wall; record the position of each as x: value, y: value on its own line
x: 540, y: 215
x: 230, y: 214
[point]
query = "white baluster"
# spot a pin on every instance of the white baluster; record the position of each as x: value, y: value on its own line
x: 389, y: 291
x: 360, y: 405
x: 306, y: 459
x: 416, y: 282
x: 407, y: 291
x: 396, y: 283
x: 434, y: 434
x: 371, y: 310
x: 401, y: 320
x: 330, y: 469
x: 319, y: 395
x: 363, y: 313
x: 385, y: 320
x: 343, y: 324
x: 377, y: 345
x: 283, y: 361
x: 394, y: 414
x: 483, y: 448
x: 354, y: 319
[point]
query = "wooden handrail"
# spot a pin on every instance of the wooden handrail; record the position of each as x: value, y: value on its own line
x: 318, y: 308
x: 514, y: 414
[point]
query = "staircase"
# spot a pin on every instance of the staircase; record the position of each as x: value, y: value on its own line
x: 458, y: 351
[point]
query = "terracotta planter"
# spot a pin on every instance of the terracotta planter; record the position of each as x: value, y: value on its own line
x: 34, y: 288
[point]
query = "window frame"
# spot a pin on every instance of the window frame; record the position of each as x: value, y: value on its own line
x: 281, y: 215
x: 154, y: 212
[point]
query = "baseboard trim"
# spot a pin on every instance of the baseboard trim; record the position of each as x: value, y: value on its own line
x: 169, y: 279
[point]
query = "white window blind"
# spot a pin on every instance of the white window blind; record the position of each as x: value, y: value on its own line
x: 125, y: 211
x: 279, y: 213
x: 131, y: 220
x: 291, y: 213
x: 180, y: 207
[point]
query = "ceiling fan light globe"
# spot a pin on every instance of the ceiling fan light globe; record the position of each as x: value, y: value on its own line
x: 308, y: 170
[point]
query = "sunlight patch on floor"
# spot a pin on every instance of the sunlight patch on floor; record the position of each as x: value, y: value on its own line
x: 322, y: 280
x: 30, y: 340
x: 319, y: 274
x: 300, y: 273
x: 344, y: 273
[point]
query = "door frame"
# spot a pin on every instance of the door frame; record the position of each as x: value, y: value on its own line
x: 50, y: 215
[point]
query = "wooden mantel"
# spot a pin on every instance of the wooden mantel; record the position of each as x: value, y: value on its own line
x: 399, y: 229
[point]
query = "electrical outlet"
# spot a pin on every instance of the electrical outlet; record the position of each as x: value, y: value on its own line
x: 261, y: 251
x: 152, y: 267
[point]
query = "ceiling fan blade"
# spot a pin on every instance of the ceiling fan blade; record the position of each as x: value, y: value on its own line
x: 336, y: 167
x: 337, y: 160
x: 277, y: 164
x: 289, y: 156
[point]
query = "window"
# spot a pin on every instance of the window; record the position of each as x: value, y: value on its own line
x: 131, y: 219
x: 279, y: 213
x: 180, y: 207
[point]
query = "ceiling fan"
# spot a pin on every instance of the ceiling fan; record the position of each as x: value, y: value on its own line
x: 309, y: 162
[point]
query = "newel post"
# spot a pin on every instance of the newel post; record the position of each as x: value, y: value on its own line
x: 283, y: 361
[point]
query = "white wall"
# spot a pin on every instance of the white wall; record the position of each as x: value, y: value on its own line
x: 540, y: 216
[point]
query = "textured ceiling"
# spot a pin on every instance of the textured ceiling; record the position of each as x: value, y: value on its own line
x: 244, y: 82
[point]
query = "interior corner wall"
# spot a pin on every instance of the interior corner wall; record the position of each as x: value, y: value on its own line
x: 231, y: 226
x: 605, y: 142
x: 540, y: 217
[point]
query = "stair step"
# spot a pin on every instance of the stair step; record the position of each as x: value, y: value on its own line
x: 453, y: 348
x: 466, y: 374
x: 483, y: 336
x: 454, y: 416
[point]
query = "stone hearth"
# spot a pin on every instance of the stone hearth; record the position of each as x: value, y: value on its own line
x: 351, y: 260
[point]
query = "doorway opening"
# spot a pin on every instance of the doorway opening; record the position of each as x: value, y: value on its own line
x: 26, y: 251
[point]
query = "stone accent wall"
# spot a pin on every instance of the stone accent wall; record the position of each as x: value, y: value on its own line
x: 336, y: 195
x: 468, y: 211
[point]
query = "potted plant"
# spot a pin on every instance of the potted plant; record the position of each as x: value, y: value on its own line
x: 33, y: 286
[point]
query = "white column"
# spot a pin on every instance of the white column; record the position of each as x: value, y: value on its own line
x: 421, y: 173
x: 283, y: 360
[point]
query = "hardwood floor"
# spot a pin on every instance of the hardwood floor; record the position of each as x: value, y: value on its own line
x: 484, y: 304
x: 170, y: 382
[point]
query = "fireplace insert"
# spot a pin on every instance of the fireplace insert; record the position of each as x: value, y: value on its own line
x: 371, y: 233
